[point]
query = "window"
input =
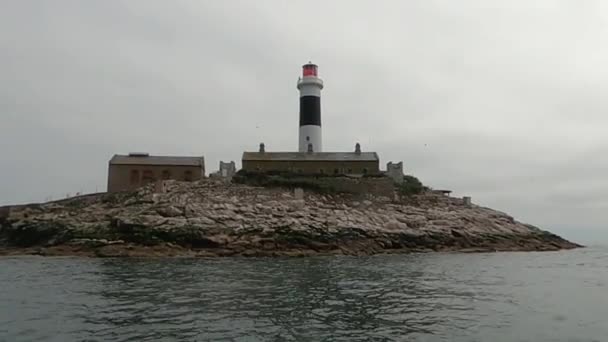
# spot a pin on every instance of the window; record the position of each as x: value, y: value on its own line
x: 147, y: 177
x: 365, y: 171
x: 166, y: 174
x: 336, y: 171
x: 134, y: 177
x: 321, y: 171
x: 188, y: 176
x: 350, y: 171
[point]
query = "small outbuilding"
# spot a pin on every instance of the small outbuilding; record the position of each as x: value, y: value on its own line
x: 129, y: 172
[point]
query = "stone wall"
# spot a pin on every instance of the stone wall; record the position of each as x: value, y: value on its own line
x: 359, y: 185
x: 227, y: 170
x: 377, y: 186
x: 395, y: 171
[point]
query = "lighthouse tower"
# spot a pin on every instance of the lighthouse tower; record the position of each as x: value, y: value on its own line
x: 310, y: 85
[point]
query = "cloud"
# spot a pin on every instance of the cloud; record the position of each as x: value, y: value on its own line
x: 503, y: 101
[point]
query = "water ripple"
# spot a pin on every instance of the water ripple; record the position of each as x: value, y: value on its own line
x: 436, y: 297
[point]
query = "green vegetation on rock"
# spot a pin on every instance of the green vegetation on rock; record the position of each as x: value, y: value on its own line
x: 410, y: 186
x: 317, y: 183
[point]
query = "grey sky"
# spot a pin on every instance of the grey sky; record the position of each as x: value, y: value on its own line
x: 501, y: 100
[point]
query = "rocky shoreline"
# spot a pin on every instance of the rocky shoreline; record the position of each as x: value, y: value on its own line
x: 213, y: 218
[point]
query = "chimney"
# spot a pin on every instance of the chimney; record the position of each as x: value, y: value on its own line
x: 262, y: 148
x: 357, y: 148
x: 310, y: 148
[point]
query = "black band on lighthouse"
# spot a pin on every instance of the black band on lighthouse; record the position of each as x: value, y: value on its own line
x: 310, y: 110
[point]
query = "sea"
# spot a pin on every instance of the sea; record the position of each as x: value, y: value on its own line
x: 548, y: 296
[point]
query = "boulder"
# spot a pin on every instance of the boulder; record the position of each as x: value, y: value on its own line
x: 169, y: 211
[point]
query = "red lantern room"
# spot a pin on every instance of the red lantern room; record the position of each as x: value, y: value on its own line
x: 309, y: 70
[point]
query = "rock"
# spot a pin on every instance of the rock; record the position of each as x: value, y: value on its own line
x: 130, y: 201
x: 169, y: 211
x: 395, y: 225
x: 298, y: 193
x: 277, y: 213
x: 89, y: 242
x: 230, y: 207
x: 210, y: 218
x: 201, y: 221
x: 245, y: 209
x: 296, y: 205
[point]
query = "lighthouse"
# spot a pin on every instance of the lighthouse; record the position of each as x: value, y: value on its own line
x: 310, y: 85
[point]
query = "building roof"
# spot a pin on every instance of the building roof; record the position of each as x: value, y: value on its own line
x: 313, y: 156
x: 144, y: 159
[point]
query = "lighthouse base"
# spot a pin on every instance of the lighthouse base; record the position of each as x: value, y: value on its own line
x: 310, y: 134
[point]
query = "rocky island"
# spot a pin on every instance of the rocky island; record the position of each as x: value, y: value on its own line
x: 217, y: 218
x: 280, y: 203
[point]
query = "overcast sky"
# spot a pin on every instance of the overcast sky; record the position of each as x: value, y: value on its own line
x: 504, y: 101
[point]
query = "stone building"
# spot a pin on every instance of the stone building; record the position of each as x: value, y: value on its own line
x: 336, y: 163
x: 226, y: 171
x: 129, y: 172
x: 395, y: 171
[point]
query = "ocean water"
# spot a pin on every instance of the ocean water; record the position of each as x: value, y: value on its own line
x: 554, y: 296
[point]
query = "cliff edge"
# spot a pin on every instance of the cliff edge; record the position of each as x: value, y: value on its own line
x: 213, y: 218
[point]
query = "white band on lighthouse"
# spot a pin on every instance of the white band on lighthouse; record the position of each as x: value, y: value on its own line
x: 310, y: 135
x: 310, y: 86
